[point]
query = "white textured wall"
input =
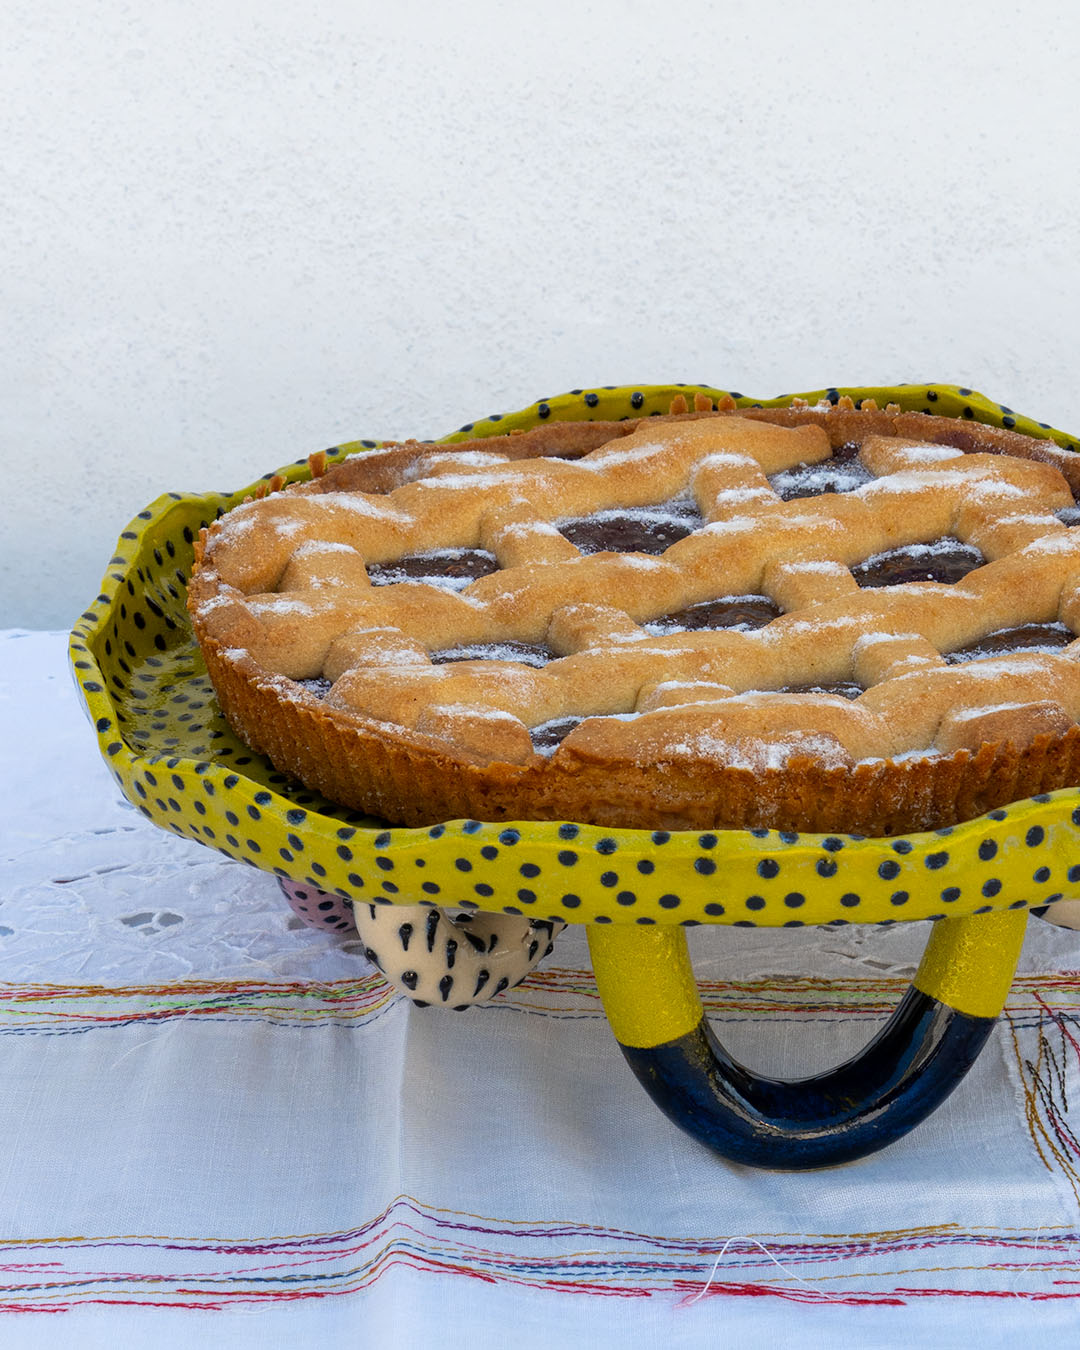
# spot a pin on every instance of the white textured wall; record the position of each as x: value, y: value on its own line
x: 234, y: 232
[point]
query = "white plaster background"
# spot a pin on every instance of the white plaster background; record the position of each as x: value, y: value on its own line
x: 235, y: 232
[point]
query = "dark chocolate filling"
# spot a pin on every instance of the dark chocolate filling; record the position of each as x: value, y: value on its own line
x: 645, y: 529
x: 843, y: 471
x: 741, y: 612
x: 528, y: 653
x: 317, y: 685
x: 946, y: 560
x: 454, y: 568
x: 1025, y: 637
x: 550, y: 734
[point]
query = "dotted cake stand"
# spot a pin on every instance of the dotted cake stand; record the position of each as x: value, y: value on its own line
x: 166, y: 743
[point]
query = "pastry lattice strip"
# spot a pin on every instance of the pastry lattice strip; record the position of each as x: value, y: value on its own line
x: 296, y: 594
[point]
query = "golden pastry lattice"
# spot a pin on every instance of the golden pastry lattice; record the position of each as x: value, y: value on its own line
x: 290, y: 587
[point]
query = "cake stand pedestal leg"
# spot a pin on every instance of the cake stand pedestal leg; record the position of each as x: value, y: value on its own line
x: 651, y: 999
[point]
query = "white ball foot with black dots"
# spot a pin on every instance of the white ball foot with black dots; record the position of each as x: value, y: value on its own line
x: 452, y: 962
x: 437, y: 959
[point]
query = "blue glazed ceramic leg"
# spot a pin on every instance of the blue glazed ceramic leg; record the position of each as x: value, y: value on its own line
x: 906, y: 1071
x: 901, y: 1076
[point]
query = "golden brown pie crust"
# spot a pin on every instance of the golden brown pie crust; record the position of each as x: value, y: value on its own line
x: 280, y: 594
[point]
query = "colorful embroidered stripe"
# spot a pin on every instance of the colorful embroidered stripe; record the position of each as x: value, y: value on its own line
x: 555, y: 1256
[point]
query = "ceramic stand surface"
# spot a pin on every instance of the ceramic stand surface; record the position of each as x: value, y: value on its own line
x: 161, y: 733
x: 651, y: 999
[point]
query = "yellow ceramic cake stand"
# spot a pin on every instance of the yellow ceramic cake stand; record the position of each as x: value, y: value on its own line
x: 175, y: 758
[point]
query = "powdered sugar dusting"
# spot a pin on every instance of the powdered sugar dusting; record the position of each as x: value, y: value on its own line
x: 720, y: 692
x: 672, y: 512
x: 285, y: 603
x: 914, y: 480
x: 759, y: 755
x: 607, y: 457
x: 727, y: 459
x: 289, y: 529
x: 470, y: 711
x: 464, y: 482
x: 993, y: 666
x: 529, y: 529
x: 822, y: 567
x: 314, y: 546
x: 438, y: 465
x: 1055, y: 543
x: 930, y: 454
x: 967, y: 714
x: 497, y: 651
x: 805, y: 480
x: 357, y: 503
x: 873, y: 639
x: 939, y: 548
x: 740, y: 496
x: 994, y: 489
x: 641, y: 562
x: 228, y: 596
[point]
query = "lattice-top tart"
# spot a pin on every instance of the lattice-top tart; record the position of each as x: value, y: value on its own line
x: 809, y: 618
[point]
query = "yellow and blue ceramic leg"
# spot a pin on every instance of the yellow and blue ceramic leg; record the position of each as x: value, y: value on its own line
x: 651, y: 999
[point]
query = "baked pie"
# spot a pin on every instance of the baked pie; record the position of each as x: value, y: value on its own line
x: 810, y: 618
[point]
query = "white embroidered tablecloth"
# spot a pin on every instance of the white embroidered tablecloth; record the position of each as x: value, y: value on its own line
x: 220, y: 1128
